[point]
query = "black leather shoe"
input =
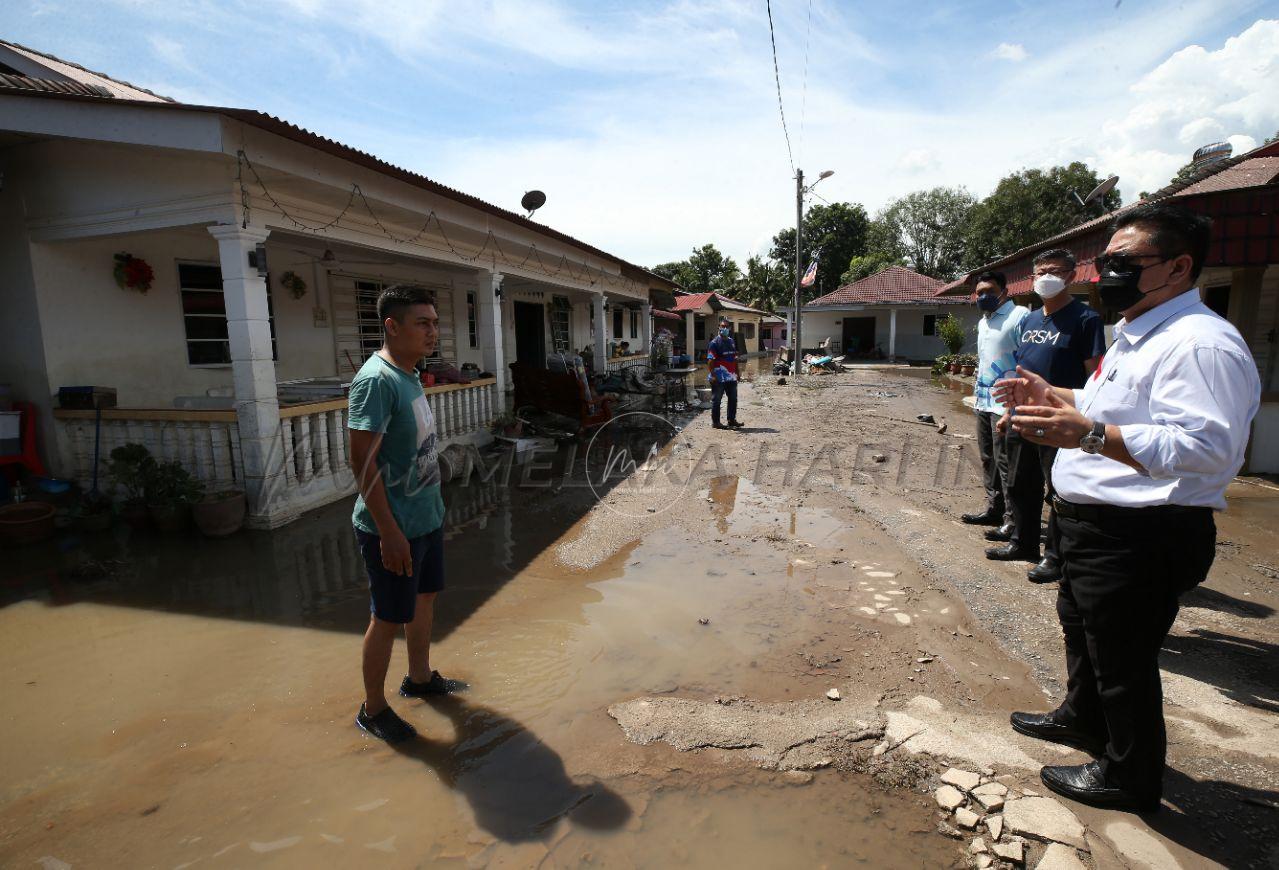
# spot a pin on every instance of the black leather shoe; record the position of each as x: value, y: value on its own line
x: 1046, y: 726
x: 1047, y: 571
x: 1009, y: 553
x: 987, y: 518
x: 718, y: 426
x: 1087, y: 784
x: 1003, y: 533
x: 735, y: 424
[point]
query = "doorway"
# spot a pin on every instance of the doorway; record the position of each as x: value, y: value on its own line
x: 530, y: 334
x: 859, y: 336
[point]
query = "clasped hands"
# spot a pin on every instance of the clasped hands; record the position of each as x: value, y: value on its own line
x: 1037, y: 413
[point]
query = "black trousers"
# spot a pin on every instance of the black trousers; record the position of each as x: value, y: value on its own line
x: 994, y: 463
x: 718, y: 389
x: 1030, y: 467
x: 1123, y: 570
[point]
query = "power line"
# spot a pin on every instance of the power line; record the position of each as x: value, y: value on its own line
x: 777, y: 77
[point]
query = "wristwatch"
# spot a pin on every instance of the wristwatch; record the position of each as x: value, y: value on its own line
x: 1095, y: 440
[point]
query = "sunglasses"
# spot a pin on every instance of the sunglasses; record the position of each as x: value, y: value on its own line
x: 1124, y: 262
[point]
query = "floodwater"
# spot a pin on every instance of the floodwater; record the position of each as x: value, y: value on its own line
x: 172, y: 701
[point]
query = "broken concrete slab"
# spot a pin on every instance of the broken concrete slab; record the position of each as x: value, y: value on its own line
x: 995, y: 824
x: 984, y: 861
x: 966, y: 818
x: 964, y: 780
x: 992, y: 802
x: 924, y: 725
x: 996, y: 788
x: 1013, y: 851
x: 788, y: 736
x: 1044, y: 819
x: 977, y: 846
x: 948, y: 797
x: 1060, y: 857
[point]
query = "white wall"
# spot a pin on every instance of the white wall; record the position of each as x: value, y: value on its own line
x: 911, y: 342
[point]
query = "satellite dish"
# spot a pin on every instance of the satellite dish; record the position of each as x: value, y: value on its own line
x: 532, y: 201
x: 1102, y: 189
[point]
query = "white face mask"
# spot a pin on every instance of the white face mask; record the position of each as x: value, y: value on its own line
x: 1048, y: 286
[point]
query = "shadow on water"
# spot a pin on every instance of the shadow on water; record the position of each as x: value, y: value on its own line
x: 516, y: 785
x: 310, y: 572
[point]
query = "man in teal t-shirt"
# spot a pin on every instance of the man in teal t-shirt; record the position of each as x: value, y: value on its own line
x: 399, y: 514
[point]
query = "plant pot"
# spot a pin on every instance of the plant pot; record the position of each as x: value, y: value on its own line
x: 135, y: 515
x: 967, y: 371
x: 95, y: 522
x: 26, y: 523
x: 221, y: 514
x: 953, y: 368
x: 171, y: 517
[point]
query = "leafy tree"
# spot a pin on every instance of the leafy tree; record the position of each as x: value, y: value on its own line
x: 865, y: 265
x: 706, y: 269
x: 763, y: 285
x: 926, y: 229
x: 839, y: 229
x: 1031, y: 205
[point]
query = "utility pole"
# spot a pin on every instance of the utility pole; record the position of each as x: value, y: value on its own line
x: 799, y: 266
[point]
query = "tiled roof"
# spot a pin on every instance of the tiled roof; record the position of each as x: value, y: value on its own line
x: 77, y: 73
x: 896, y: 284
x: 1255, y: 172
x: 717, y: 302
x: 284, y: 129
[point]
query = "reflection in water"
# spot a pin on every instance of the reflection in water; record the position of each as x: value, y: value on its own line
x: 516, y: 785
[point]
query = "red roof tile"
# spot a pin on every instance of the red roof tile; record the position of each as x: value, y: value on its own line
x: 894, y: 284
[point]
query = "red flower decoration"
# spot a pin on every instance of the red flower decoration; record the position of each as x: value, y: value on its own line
x: 133, y: 273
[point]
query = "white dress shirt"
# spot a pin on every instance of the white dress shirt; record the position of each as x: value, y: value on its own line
x: 1182, y: 386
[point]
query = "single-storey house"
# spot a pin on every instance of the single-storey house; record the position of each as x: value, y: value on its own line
x: 1240, y: 280
x: 702, y: 312
x: 218, y: 267
x: 772, y: 332
x: 892, y: 314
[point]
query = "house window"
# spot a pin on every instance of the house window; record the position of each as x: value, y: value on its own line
x: 369, y: 325
x: 204, y: 315
x: 471, y: 327
x: 748, y: 330
x: 617, y: 321
x: 561, y: 317
x: 635, y: 315
x: 699, y: 330
x: 930, y: 324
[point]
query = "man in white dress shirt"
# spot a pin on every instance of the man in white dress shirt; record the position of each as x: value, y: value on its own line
x: 1147, y: 449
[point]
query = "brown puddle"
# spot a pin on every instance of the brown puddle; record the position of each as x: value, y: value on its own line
x: 175, y: 700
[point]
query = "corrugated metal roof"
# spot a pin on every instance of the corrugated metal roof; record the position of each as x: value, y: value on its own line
x: 26, y: 83
x: 896, y: 284
x: 692, y: 301
x: 666, y: 315
x: 283, y: 128
x: 75, y: 72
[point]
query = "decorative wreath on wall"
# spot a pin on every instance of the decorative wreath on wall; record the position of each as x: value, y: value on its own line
x: 293, y: 282
x: 132, y: 273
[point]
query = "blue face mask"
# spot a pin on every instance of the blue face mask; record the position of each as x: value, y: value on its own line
x: 723, y: 330
x: 988, y: 302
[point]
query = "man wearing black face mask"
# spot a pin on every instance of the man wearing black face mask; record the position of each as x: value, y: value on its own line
x: 1146, y: 451
x: 998, y: 332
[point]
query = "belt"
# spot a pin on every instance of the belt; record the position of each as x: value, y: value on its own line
x: 1103, y: 513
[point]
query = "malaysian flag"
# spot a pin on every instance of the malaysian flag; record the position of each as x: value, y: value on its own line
x: 811, y: 275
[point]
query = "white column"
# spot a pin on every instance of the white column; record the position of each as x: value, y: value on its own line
x: 599, y: 340
x: 257, y: 406
x: 892, y: 333
x: 688, y: 335
x: 646, y: 326
x: 488, y: 316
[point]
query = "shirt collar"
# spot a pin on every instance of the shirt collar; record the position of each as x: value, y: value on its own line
x: 1146, y: 322
x: 1008, y: 305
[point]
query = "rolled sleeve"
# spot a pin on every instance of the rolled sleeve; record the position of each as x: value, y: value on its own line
x: 1201, y: 402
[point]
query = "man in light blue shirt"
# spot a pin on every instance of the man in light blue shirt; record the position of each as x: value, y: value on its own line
x: 998, y: 334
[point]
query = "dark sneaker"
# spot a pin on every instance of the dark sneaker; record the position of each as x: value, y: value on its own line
x: 386, y: 725
x: 437, y: 685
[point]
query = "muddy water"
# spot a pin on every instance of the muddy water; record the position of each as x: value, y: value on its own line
x: 176, y: 701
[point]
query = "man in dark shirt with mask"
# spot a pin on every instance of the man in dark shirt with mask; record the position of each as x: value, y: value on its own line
x: 1061, y: 342
x: 721, y: 362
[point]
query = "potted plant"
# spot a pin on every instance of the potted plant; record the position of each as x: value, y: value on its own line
x: 220, y: 513
x: 130, y: 468
x: 170, y: 492
x: 941, y: 365
x: 94, y: 511
x: 951, y: 331
x: 508, y: 426
x: 967, y: 365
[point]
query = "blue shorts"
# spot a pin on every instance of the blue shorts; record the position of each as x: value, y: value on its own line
x: 393, y: 597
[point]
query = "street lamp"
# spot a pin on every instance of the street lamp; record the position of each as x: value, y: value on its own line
x: 800, y: 190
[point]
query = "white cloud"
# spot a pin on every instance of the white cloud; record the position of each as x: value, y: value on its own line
x: 918, y: 160
x: 1013, y: 51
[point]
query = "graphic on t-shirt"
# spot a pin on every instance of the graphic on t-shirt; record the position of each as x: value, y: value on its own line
x: 427, y: 460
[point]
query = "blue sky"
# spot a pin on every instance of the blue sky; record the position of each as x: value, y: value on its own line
x: 654, y: 126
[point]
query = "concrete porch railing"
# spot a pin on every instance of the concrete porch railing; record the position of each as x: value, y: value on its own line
x: 313, y: 446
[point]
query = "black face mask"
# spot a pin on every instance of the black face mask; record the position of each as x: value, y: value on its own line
x: 988, y: 302
x: 1118, y: 286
